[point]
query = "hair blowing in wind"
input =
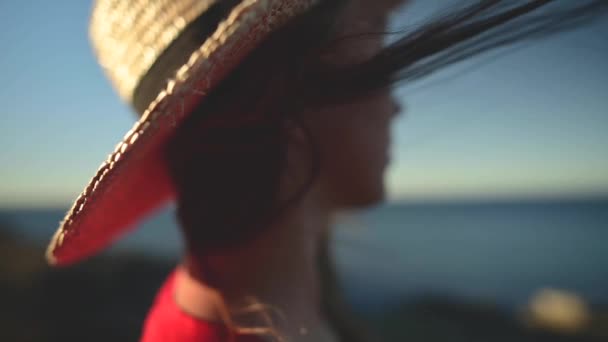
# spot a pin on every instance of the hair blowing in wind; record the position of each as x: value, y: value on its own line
x: 465, y: 30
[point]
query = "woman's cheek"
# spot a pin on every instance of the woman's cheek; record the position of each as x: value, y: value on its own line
x: 354, y: 144
x: 354, y: 167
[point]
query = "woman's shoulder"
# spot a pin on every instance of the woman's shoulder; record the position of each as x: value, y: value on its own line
x: 166, y: 322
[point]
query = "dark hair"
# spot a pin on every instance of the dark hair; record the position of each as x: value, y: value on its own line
x: 227, y: 157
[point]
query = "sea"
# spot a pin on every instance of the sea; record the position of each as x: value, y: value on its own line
x: 502, y: 252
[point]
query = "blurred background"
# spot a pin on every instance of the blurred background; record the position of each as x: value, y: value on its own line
x: 495, y: 228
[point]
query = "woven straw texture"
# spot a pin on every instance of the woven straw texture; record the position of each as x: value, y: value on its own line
x: 128, y: 36
x: 121, y: 192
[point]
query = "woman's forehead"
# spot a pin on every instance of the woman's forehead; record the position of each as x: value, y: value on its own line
x: 387, y: 5
x: 376, y: 7
x: 368, y: 14
x: 360, y: 16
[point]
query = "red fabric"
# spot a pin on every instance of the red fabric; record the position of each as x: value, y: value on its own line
x: 166, y: 322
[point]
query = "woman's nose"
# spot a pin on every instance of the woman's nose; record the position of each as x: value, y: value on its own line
x: 396, y: 106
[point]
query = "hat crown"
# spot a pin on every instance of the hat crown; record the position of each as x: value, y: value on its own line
x: 129, y: 35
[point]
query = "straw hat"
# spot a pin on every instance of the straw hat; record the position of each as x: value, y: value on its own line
x: 161, y: 60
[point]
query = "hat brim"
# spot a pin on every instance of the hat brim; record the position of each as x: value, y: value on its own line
x: 133, y: 181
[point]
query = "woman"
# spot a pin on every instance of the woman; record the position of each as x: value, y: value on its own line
x: 276, y: 115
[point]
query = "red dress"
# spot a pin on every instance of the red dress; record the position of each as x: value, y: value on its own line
x: 166, y: 322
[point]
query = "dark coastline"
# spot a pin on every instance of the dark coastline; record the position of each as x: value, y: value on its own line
x: 106, y: 299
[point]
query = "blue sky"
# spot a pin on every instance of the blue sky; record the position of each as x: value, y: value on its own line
x: 527, y: 121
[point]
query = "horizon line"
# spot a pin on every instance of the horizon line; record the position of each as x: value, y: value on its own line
x: 408, y: 200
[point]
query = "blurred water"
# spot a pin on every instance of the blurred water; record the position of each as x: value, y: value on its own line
x: 500, y: 252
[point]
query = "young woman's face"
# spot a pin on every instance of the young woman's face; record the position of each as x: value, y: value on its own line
x: 354, y: 138
x: 354, y: 143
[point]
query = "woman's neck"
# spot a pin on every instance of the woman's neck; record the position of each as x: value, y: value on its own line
x: 278, y: 269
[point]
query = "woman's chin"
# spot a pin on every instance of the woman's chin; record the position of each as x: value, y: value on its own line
x: 364, y: 199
